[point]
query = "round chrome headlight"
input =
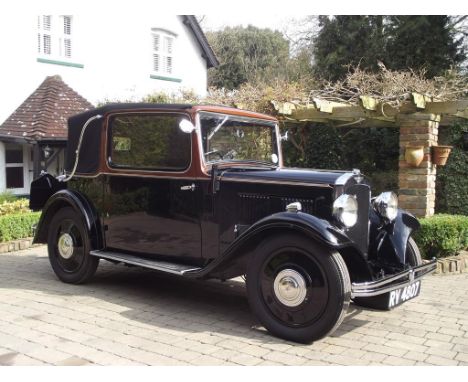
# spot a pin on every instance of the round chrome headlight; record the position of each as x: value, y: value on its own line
x: 386, y: 205
x: 345, y: 209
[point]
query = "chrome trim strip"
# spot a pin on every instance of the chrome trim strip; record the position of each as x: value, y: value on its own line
x: 375, y: 288
x: 155, y: 176
x: 145, y: 263
x: 65, y: 178
x: 259, y: 181
x: 342, y: 179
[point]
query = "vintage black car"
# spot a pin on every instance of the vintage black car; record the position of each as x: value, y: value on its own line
x: 201, y: 192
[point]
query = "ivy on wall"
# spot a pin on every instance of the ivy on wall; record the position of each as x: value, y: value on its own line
x: 452, y: 179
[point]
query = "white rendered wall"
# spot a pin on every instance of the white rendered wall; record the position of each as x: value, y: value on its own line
x: 115, y: 49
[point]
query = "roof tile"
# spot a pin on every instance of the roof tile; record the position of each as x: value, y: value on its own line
x: 45, y: 112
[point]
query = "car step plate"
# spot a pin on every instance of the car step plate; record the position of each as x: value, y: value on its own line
x: 164, y: 266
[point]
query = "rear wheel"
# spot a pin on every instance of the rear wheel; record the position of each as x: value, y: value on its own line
x: 68, y: 247
x: 299, y: 291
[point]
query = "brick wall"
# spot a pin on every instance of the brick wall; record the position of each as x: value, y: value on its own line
x: 417, y: 184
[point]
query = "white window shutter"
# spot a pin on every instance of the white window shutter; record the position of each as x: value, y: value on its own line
x: 169, y: 64
x: 67, y: 47
x: 47, y: 44
x: 156, y: 42
x: 46, y: 22
x: 67, y: 25
x: 156, y: 62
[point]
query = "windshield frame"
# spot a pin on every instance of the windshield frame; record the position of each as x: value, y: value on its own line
x: 207, y: 165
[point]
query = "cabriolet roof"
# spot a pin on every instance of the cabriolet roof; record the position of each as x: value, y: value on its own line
x: 91, y: 146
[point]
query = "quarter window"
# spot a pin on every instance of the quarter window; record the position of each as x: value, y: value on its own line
x: 163, y: 52
x: 149, y: 142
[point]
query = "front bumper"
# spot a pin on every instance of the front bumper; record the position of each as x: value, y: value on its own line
x: 392, y: 282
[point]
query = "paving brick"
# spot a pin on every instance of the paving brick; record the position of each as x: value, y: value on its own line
x: 406, y: 346
x: 439, y: 344
x: 385, y: 350
x: 398, y: 361
x: 284, y: 358
x: 206, y: 360
x: 439, y: 361
x: 416, y: 356
x: 257, y: 351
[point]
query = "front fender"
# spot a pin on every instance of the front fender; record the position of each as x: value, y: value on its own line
x: 403, y: 226
x: 317, y: 229
x: 88, y: 214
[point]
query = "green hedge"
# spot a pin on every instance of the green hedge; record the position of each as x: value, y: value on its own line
x: 442, y: 235
x: 17, y: 226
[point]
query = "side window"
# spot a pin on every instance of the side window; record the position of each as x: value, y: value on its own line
x: 149, y: 142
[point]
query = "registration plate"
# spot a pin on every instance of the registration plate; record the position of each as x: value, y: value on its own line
x: 399, y: 296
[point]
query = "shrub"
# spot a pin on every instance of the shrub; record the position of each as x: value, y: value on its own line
x: 7, y: 196
x: 14, y: 207
x: 17, y: 226
x: 442, y: 235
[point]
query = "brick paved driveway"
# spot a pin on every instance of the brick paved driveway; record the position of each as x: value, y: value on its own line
x: 134, y: 316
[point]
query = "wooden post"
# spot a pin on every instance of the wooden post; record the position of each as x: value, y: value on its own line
x: 417, y: 184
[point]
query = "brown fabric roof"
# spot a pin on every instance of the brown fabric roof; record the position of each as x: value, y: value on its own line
x: 44, y: 114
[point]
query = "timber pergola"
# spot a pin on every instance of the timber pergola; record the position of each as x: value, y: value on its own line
x: 418, y: 120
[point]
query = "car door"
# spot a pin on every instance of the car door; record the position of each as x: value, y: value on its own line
x: 153, y: 204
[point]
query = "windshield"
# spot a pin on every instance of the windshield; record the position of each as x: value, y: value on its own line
x: 235, y: 138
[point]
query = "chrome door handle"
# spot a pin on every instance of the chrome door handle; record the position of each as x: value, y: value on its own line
x: 188, y: 188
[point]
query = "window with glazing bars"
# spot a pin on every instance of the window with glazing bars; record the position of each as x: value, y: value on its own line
x: 163, y: 53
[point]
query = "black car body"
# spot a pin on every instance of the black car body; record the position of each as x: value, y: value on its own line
x: 201, y: 192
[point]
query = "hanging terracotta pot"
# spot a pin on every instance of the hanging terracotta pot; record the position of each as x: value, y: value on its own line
x: 414, y: 155
x: 440, y: 154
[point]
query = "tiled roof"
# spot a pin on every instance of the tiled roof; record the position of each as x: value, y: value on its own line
x: 45, y: 112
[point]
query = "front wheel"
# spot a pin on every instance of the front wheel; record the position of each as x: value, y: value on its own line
x: 299, y: 290
x: 68, y: 247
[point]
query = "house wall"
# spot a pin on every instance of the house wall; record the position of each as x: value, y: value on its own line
x: 114, y: 50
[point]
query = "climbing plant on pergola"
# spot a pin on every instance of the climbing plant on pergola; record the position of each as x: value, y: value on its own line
x: 407, y: 100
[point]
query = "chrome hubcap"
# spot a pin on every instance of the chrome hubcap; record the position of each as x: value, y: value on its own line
x: 290, y: 287
x: 65, y: 245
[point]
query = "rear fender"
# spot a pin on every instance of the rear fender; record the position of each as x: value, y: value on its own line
x: 84, y: 209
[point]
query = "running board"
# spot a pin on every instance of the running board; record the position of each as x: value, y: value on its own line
x: 163, y: 266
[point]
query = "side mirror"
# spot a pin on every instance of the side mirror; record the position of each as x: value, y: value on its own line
x: 186, y: 126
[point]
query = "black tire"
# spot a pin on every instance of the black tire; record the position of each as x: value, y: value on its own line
x: 72, y: 263
x: 413, y: 255
x: 293, y: 260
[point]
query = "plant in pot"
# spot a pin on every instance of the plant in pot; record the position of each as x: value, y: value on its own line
x: 440, y: 154
x: 414, y: 155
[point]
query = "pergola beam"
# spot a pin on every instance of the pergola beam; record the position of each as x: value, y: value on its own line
x: 382, y: 113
